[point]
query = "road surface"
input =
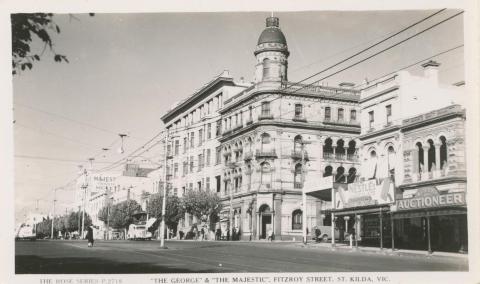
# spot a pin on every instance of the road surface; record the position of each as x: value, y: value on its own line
x: 59, y: 256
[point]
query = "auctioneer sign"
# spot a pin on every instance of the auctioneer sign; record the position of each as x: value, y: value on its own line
x: 429, y: 197
x: 364, y: 193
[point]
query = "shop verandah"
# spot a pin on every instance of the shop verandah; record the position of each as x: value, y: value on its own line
x: 381, y: 225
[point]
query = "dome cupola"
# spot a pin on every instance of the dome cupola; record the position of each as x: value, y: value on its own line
x: 271, y: 53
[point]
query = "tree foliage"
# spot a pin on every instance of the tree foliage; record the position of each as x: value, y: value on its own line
x: 201, y: 204
x: 39, y: 25
x: 121, y: 214
x: 174, y: 210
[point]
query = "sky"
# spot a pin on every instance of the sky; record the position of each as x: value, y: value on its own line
x: 126, y: 70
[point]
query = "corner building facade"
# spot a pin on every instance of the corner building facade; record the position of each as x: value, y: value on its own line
x: 275, y: 134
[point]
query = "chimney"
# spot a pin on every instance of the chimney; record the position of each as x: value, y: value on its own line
x: 430, y: 70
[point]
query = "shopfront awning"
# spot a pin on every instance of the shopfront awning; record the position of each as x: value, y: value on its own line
x: 351, y: 211
x: 425, y: 213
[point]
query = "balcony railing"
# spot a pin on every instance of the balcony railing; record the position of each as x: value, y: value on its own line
x: 299, y: 118
x: 297, y: 185
x: 169, y: 155
x: 265, y: 116
x: 249, y: 121
x: 342, y: 122
x: 339, y: 156
x: 248, y: 155
x: 352, y: 157
x: 266, y: 154
x: 328, y: 155
x: 297, y: 154
x: 237, y: 127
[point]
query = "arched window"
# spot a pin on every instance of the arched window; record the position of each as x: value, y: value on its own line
x: 340, y: 176
x: 391, y: 159
x: 352, y: 174
x: 431, y: 156
x: 297, y: 178
x: 297, y: 219
x: 327, y: 148
x: 297, y: 143
x: 265, y: 174
x: 443, y: 152
x: 328, y: 171
x: 340, y: 149
x: 420, y: 156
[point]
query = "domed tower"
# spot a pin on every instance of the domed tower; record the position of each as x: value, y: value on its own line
x: 271, y: 54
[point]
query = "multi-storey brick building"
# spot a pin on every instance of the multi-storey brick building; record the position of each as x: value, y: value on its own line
x: 193, y: 159
x: 267, y: 129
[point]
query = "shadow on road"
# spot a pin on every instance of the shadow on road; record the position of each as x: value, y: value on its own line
x: 31, y: 264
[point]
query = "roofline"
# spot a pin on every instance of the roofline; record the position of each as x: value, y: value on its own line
x: 222, y: 81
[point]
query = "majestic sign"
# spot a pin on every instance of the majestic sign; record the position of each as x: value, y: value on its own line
x: 102, y: 182
x: 365, y: 193
x: 429, y: 197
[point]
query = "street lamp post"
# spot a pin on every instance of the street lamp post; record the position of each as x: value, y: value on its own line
x: 164, y: 202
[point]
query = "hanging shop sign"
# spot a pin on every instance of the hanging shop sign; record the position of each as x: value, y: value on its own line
x: 428, y: 197
x: 365, y: 193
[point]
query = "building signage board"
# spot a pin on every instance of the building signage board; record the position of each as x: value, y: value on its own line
x: 318, y: 183
x: 102, y: 182
x: 365, y: 193
x: 429, y: 197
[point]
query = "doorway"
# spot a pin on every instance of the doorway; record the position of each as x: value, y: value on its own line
x: 265, y: 221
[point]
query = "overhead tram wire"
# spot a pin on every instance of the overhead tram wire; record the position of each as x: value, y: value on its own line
x: 117, y: 163
x: 370, y: 47
x: 411, y: 65
x: 381, y: 51
x: 344, y: 60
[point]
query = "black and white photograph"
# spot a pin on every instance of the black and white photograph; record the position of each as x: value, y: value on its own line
x: 259, y: 145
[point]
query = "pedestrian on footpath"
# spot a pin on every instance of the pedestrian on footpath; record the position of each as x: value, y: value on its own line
x: 90, y: 236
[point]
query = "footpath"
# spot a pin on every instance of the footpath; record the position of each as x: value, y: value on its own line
x: 376, y: 250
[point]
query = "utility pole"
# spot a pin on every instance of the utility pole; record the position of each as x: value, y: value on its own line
x: 304, y: 196
x: 36, y: 212
x: 84, y: 187
x: 165, y: 184
x: 53, y: 216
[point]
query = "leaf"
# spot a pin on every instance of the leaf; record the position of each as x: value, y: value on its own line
x: 29, y: 65
x: 57, y: 58
x: 36, y: 57
x: 57, y: 28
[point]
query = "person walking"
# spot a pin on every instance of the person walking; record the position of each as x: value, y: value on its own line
x: 89, y: 236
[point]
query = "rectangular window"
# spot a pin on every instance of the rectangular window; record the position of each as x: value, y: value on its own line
x: 328, y: 114
x: 175, y: 170
x: 218, y: 184
x: 185, y: 145
x: 388, y: 110
x: 177, y: 147
x: 209, y: 131
x: 265, y: 108
x: 208, y: 157
x: 218, y: 127
x: 200, y: 137
x: 340, y: 114
x: 192, y: 139
x: 353, y: 115
x: 370, y: 119
x: 191, y: 164
x: 218, y: 156
x: 298, y: 110
x: 199, y: 185
x: 250, y: 113
x: 190, y: 186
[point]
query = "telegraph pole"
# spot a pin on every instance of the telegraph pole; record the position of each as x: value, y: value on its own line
x: 84, y: 187
x: 53, y: 216
x: 165, y: 184
x: 304, y: 197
